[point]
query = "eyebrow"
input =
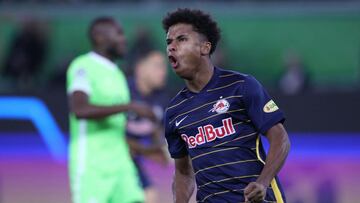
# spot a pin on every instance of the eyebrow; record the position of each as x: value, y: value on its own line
x: 178, y: 37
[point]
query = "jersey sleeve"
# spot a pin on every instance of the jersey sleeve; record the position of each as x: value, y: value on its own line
x: 78, y: 79
x: 261, y: 109
x: 176, y: 145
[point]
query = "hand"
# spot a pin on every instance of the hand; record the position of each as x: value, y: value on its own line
x: 143, y: 110
x: 254, y: 193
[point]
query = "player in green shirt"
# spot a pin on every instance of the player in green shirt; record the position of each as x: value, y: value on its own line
x: 100, y: 166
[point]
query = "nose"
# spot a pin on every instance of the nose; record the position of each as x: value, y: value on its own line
x: 171, y: 47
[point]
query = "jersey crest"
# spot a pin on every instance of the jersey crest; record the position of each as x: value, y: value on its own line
x: 221, y: 106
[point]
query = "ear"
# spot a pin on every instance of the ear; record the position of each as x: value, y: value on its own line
x: 205, y: 48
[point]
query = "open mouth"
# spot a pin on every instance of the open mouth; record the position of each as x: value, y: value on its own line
x: 173, y: 62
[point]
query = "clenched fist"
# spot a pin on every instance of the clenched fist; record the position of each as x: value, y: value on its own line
x: 255, y: 193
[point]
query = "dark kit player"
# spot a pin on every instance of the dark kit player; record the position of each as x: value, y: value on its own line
x: 213, y: 125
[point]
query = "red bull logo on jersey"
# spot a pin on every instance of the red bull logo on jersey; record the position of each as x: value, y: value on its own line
x: 209, y: 133
x: 221, y: 106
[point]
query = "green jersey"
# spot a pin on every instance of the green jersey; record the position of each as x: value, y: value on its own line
x: 98, y: 146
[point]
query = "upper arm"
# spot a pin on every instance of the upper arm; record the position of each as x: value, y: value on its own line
x: 78, y: 78
x: 261, y: 109
x: 183, y: 165
x: 277, y: 129
x: 176, y: 145
x: 277, y: 132
x: 77, y: 100
x: 78, y: 86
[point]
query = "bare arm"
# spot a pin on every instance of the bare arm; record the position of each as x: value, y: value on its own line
x: 183, y: 184
x: 279, y: 149
x: 80, y: 106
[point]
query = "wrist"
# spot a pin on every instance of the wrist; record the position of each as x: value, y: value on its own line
x: 263, y: 182
x: 129, y: 107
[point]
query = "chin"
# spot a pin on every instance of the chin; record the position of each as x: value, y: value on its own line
x: 183, y: 75
x: 179, y: 72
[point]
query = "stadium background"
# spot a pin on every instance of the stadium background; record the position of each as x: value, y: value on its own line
x: 323, y: 121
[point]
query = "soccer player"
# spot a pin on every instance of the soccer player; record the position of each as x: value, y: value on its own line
x: 147, y: 86
x: 100, y: 165
x: 213, y: 125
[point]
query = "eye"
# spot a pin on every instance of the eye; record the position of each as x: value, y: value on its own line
x: 183, y: 39
x: 168, y: 41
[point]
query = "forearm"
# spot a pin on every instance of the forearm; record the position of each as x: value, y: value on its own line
x: 279, y: 149
x: 183, y: 184
x: 83, y: 109
x: 142, y: 149
x: 183, y: 187
x: 98, y: 112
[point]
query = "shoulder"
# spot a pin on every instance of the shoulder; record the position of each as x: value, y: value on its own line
x: 231, y: 75
x: 235, y: 79
x: 228, y: 74
x: 80, y: 62
x: 84, y: 58
x: 251, y: 84
x: 176, y: 101
x: 247, y: 83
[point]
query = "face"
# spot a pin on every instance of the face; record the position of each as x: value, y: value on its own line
x: 184, y: 49
x: 114, y: 41
x: 153, y: 70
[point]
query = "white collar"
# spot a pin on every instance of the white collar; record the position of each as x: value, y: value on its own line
x: 101, y: 59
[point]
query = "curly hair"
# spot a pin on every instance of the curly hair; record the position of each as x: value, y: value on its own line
x: 201, y: 22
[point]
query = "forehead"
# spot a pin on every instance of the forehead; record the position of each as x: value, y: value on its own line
x: 180, y: 29
x: 116, y: 26
x: 155, y: 56
x: 111, y: 27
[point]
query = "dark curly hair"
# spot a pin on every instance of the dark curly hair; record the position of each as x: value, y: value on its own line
x: 201, y: 22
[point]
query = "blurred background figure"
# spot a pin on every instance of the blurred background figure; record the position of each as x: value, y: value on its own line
x: 100, y: 165
x: 148, y: 86
x: 142, y: 42
x: 294, y: 79
x: 219, y: 57
x: 27, y: 53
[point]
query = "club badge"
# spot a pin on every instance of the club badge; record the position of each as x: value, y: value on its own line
x: 221, y: 106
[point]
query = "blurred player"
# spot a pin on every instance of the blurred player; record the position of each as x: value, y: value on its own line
x: 101, y: 168
x: 213, y: 125
x: 147, y: 87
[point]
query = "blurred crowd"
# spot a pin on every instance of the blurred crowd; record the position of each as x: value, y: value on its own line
x: 318, y: 61
x: 26, y: 59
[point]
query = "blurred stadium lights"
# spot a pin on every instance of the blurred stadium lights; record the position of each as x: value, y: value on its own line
x: 33, y: 109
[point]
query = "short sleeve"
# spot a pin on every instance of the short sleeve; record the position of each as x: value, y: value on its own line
x: 261, y: 109
x: 79, y: 80
x: 176, y: 145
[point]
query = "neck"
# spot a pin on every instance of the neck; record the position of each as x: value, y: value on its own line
x: 142, y: 87
x: 201, y: 77
x: 103, y: 53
